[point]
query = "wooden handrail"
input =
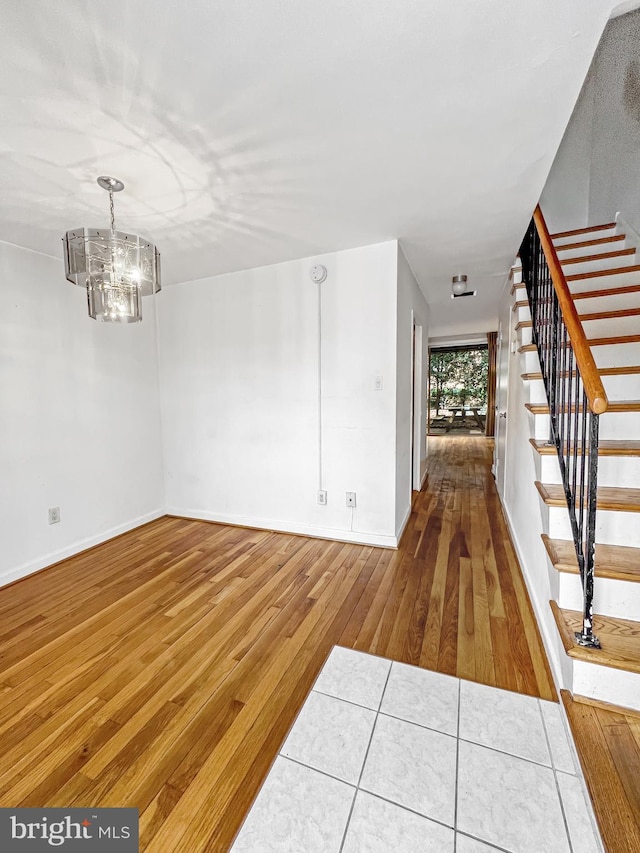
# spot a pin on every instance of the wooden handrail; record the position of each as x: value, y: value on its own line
x: 593, y: 387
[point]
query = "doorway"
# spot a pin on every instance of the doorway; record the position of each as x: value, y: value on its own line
x: 458, y: 390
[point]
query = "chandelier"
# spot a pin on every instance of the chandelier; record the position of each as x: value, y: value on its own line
x: 116, y: 268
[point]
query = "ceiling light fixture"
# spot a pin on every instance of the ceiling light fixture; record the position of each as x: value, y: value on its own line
x: 459, y: 287
x: 117, y: 269
x: 458, y: 284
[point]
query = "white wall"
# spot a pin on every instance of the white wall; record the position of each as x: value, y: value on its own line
x: 595, y: 173
x: 411, y: 308
x: 79, y: 418
x: 565, y: 198
x: 239, y: 361
x: 521, y: 501
x: 615, y: 176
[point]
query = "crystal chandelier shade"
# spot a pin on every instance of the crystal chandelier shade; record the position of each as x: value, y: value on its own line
x: 116, y: 268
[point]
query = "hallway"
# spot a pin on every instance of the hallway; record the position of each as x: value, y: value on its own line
x: 164, y: 668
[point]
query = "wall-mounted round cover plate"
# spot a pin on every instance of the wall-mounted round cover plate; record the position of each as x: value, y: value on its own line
x: 318, y: 273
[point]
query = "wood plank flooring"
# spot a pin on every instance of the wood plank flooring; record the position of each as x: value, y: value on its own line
x: 608, y: 743
x: 163, y: 669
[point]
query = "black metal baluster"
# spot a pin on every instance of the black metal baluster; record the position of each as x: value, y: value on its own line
x: 571, y: 422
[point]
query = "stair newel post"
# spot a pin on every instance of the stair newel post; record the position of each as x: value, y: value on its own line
x: 587, y: 637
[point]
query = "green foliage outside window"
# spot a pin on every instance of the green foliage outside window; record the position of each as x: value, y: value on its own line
x: 458, y: 379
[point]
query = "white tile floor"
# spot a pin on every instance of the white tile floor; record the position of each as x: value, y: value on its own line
x: 390, y: 758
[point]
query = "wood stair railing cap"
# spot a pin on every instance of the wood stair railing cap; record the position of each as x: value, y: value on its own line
x: 593, y: 386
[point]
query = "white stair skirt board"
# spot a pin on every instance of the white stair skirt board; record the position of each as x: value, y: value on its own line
x: 616, y: 686
x: 610, y: 598
x: 612, y: 527
x: 588, y: 235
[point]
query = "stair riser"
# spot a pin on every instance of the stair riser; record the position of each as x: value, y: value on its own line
x: 610, y: 326
x: 612, y: 528
x: 611, y: 597
x: 616, y: 686
x: 522, y: 313
x: 537, y: 394
x: 618, y: 387
x: 616, y: 425
x: 622, y: 471
x: 615, y: 302
x: 599, y: 264
x: 524, y: 336
x: 616, y: 246
x: 529, y: 362
x: 617, y: 355
x: 602, y: 282
x: 589, y: 235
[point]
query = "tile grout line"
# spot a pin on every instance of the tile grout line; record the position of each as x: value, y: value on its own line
x: 555, y: 777
x: 455, y: 801
x: 316, y: 770
x: 548, y: 766
x: 366, y: 755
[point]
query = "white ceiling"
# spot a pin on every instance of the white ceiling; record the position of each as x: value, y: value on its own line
x: 255, y: 131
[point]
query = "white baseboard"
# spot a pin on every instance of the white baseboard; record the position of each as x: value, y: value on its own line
x: 423, y: 479
x: 338, y: 535
x: 403, y: 524
x: 552, y: 642
x: 81, y: 545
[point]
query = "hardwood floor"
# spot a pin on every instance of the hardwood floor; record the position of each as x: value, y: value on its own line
x: 608, y: 743
x: 163, y: 669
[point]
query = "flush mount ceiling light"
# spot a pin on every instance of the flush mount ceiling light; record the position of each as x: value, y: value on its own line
x: 116, y: 268
x: 459, y: 287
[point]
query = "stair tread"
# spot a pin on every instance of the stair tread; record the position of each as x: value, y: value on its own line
x: 599, y: 241
x: 614, y: 406
x: 606, y: 291
x: 522, y: 303
x: 618, y: 562
x: 588, y: 230
x: 603, y: 371
x: 610, y: 315
x: 609, y: 497
x: 598, y: 273
x: 584, y: 259
x: 614, y: 339
x: 620, y: 639
x: 594, y: 342
x: 606, y: 447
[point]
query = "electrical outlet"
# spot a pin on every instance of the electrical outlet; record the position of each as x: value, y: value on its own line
x: 322, y: 497
x: 54, y: 514
x: 351, y: 498
x: 378, y: 384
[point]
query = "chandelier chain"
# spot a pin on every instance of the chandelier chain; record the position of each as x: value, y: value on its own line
x: 113, y: 217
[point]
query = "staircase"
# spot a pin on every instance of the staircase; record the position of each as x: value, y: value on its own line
x: 603, y: 276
